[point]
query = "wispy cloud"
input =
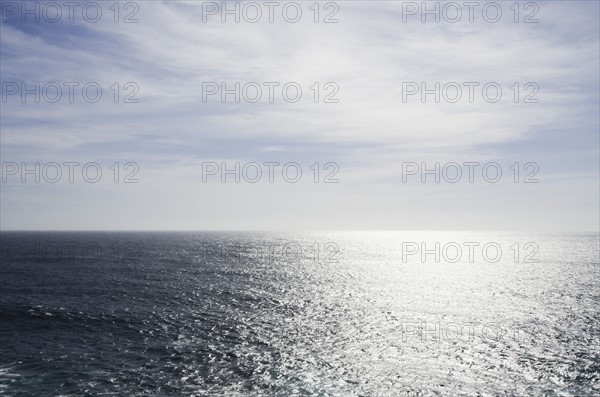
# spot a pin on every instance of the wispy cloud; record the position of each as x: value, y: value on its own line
x: 369, y: 54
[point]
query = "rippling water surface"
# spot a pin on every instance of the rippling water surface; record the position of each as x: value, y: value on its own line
x: 305, y: 314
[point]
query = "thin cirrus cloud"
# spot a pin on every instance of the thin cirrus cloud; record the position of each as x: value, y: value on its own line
x: 170, y: 52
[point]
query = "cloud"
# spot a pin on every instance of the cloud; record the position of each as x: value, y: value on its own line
x: 369, y: 54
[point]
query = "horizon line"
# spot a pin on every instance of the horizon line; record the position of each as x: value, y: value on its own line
x: 289, y: 230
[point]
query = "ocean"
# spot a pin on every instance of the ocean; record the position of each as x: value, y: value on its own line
x: 299, y: 314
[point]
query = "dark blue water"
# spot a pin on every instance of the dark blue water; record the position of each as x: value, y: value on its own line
x: 305, y: 314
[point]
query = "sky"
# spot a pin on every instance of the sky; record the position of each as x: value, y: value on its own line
x: 172, y: 136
